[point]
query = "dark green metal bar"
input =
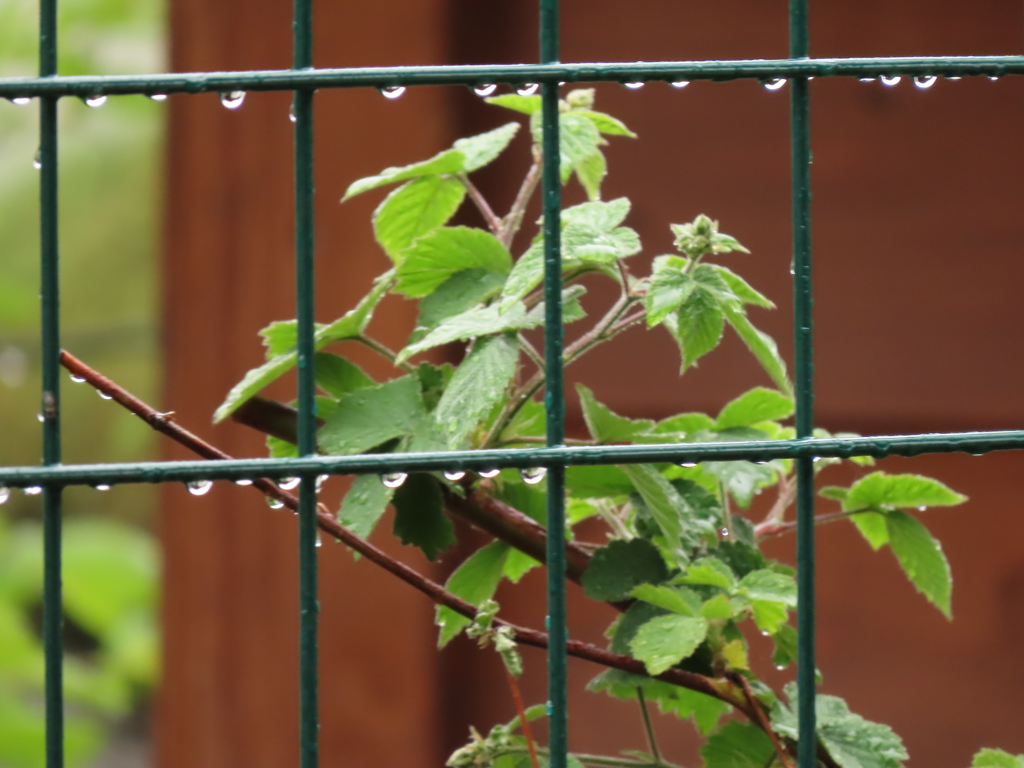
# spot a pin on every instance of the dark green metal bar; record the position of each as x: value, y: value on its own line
x: 975, y: 443
x: 513, y: 74
x: 50, y: 290
x: 305, y: 264
x: 554, y: 392
x: 800, y: 139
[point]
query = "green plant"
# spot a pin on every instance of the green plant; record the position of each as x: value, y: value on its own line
x: 682, y: 561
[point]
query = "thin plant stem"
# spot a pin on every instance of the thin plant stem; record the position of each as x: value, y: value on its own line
x: 530, y: 351
x: 523, y: 722
x: 767, y: 528
x: 760, y: 718
x: 652, y: 741
x: 514, y: 220
x: 601, y: 760
x: 493, y: 222
x: 376, y: 346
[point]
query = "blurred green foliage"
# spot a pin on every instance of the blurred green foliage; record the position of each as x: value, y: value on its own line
x: 110, y: 173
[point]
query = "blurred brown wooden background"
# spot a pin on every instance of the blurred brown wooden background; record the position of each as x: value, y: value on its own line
x: 918, y: 243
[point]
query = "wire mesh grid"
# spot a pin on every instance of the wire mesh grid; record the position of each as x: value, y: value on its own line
x: 303, y: 79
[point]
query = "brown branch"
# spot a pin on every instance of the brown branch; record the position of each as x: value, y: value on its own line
x: 721, y: 689
x: 761, y: 718
x: 514, y: 219
x: 517, y: 697
x: 493, y: 222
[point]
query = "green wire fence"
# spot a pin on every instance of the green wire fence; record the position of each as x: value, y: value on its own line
x: 304, y: 80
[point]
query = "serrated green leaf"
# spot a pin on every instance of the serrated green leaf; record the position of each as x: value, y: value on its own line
x: 737, y: 745
x: 996, y: 758
x: 718, y: 607
x: 741, y: 556
x: 670, y: 287
x: 664, y: 641
x: 280, y: 337
x: 769, y: 585
x: 741, y: 289
x: 785, y: 652
x: 449, y: 161
x: 686, y: 423
x: 662, y: 500
x: 459, y: 293
x: 872, y: 527
x: 414, y: 209
x: 769, y: 616
x: 591, y: 172
x: 834, y: 492
x: 606, y: 426
x: 741, y: 478
x: 597, y: 482
x: 371, y: 416
x: 890, y: 491
x: 758, y: 404
x: 710, y: 571
x: 350, y: 325
x: 525, y: 104
x: 438, y: 255
x: 475, y: 581
x: 682, y: 702
x: 698, y: 325
x: 338, y: 376
x: 604, y: 216
x: 484, y: 148
x: 419, y: 515
x: 478, y: 384
x: 679, y: 600
x: 473, y: 323
x: 920, y: 554
x: 606, y: 124
x: 760, y: 344
x: 364, y: 504
x: 616, y: 569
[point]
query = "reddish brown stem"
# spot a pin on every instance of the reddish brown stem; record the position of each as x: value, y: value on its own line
x: 761, y: 718
x: 527, y: 733
x: 493, y: 222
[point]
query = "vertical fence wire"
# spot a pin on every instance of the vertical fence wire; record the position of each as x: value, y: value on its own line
x: 309, y: 725
x: 50, y: 322
x: 554, y: 394
x: 803, y: 323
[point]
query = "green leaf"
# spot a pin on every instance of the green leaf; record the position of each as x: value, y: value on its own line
x: 741, y: 289
x: 606, y: 124
x: 616, y: 569
x: 459, y: 293
x: 769, y: 585
x: 737, y: 745
x: 348, y: 326
x: 606, y: 426
x: 891, y: 491
x: 769, y: 616
x: 338, y: 376
x: 478, y: 384
x: 364, y: 504
x: 834, y: 492
x: 686, y: 423
x: 872, y: 526
x: 578, y: 138
x: 785, y: 652
x: 662, y: 500
x: 371, y: 416
x: 419, y: 515
x: 698, y: 325
x: 920, y: 555
x: 996, y: 758
x: 670, y: 287
x: 759, y: 404
x: 664, y: 641
x: 475, y: 581
x: 682, y: 702
x: 471, y: 324
x: 449, y: 161
x: 710, y: 571
x: 414, y: 209
x: 484, y: 148
x: 280, y: 337
x: 603, y: 216
x: 760, y: 344
x: 439, y: 254
x: 741, y: 478
x: 718, y: 607
x: 591, y: 172
x: 525, y: 104
x: 679, y: 600
x: 597, y: 482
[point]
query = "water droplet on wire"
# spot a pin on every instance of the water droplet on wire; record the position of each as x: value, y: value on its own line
x: 243, y: 481
x: 925, y: 82
x: 529, y: 89
x: 993, y: 78
x: 320, y: 480
x: 533, y: 475
x: 724, y: 533
x: 102, y: 487
x: 77, y: 379
x: 232, y: 99
x: 104, y: 395
x: 776, y: 84
x: 37, y: 160
x: 32, y: 490
x: 21, y: 101
x: 890, y: 80
x: 319, y: 541
x: 288, y: 483
x: 393, y: 92
x: 291, y: 113
x: 485, y: 90
x: 5, y: 494
x: 680, y: 83
x: 953, y: 77
x: 922, y: 508
x: 158, y: 96
x: 199, y: 487
x: 393, y: 479
x: 488, y: 472
x: 455, y: 475
x: 40, y: 418
x: 866, y: 79
x: 274, y: 503
x: 95, y: 101
x: 688, y: 464
x: 634, y: 86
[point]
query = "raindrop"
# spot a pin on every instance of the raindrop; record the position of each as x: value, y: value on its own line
x: 243, y: 481
x: 158, y: 96
x: 37, y: 161
x: 953, y: 77
x: 77, y: 379
x: 533, y: 475
x: 922, y: 508
x: 95, y: 101
x: 890, y: 80
x: 102, y: 487
x: 320, y: 480
x: 765, y: 633
x: 199, y: 487
x: 5, y: 494
x: 289, y: 483
x: 529, y: 89
x: 21, y: 101
x: 780, y: 667
x: 993, y: 78
x: 32, y: 490
x: 393, y: 479
x: 724, y: 532
x: 549, y: 708
x: 393, y: 92
x: 40, y: 418
x: 688, y: 464
x: 488, y: 472
x: 925, y: 82
x: 866, y: 79
x: 485, y: 90
x: 634, y: 86
x: 291, y: 113
x: 762, y: 461
x: 104, y: 395
x: 815, y: 459
x: 274, y: 503
x: 455, y: 475
x: 792, y: 271
x: 680, y: 83
x: 776, y: 84
x: 232, y: 99
x: 319, y: 541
